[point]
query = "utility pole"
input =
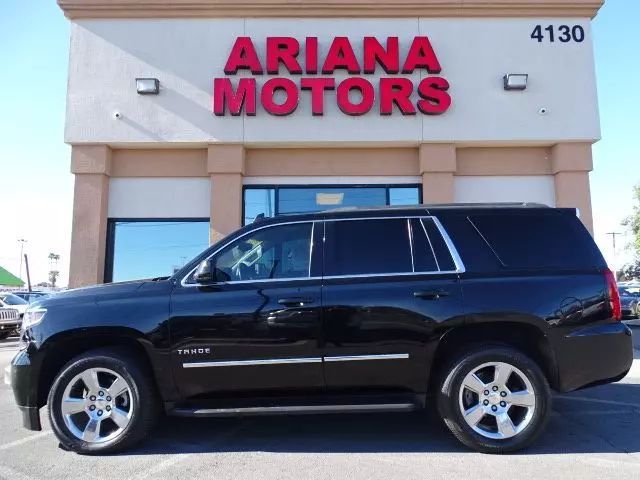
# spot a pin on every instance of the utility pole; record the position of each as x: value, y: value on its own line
x: 26, y: 262
x: 21, y: 241
x: 613, y: 239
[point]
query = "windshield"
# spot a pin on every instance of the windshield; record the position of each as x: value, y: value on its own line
x: 12, y: 299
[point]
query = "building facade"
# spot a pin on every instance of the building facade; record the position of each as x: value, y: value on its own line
x: 274, y: 106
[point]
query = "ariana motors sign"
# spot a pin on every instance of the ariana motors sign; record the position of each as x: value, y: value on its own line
x: 356, y: 94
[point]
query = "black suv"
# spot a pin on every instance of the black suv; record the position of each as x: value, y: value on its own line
x: 477, y: 309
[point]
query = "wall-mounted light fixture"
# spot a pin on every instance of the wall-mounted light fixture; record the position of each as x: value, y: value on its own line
x: 148, y: 86
x: 515, y: 81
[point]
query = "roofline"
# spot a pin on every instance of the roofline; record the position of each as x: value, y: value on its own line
x: 399, y: 210
x: 78, y: 9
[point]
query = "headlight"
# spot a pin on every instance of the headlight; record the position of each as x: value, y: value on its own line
x: 33, y: 317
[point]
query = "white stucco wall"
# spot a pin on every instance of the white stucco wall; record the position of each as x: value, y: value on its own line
x: 159, y: 197
x: 526, y: 188
x: 186, y: 54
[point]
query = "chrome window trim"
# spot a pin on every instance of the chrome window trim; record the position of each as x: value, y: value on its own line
x: 452, y: 249
x: 433, y: 252
x: 397, y: 274
x: 357, y: 358
x: 460, y: 268
x: 410, y: 233
x: 313, y: 227
x: 253, y: 230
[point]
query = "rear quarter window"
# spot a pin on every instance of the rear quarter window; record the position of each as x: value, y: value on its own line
x: 538, y: 240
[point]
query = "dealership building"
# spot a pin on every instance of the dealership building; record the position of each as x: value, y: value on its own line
x: 188, y: 119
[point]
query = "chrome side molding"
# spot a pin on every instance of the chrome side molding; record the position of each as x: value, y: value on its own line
x: 285, y: 361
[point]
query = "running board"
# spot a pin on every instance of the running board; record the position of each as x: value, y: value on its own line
x: 294, y: 410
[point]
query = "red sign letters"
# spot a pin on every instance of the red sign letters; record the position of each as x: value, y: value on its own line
x: 281, y: 95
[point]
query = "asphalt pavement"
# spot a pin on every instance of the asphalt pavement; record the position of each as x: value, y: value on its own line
x: 592, y: 434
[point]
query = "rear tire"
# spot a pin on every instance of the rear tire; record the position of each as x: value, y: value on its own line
x: 102, y: 402
x: 494, y: 399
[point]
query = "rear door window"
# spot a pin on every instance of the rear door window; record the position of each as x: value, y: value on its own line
x: 368, y: 246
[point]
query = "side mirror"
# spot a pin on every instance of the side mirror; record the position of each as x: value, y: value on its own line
x: 205, y: 273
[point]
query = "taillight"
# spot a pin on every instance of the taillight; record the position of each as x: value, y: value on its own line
x: 614, y: 296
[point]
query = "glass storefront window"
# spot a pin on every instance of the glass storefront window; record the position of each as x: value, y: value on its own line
x: 140, y: 249
x: 404, y: 196
x: 276, y: 200
x: 259, y: 201
x: 312, y: 199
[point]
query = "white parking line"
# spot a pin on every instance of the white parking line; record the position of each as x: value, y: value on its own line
x: 11, y: 474
x: 174, y: 459
x: 597, y: 400
x: 599, y: 411
x: 16, y: 443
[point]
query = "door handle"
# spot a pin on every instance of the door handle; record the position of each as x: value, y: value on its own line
x: 295, y: 301
x: 431, y: 294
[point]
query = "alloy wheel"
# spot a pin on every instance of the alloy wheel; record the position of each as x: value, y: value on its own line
x: 497, y: 400
x: 97, y: 405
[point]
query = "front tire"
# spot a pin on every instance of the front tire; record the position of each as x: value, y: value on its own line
x: 102, y: 402
x: 494, y: 399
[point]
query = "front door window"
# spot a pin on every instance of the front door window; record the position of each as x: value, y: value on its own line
x: 279, y: 252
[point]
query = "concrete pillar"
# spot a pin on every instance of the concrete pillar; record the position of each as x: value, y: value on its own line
x: 571, y: 164
x: 437, y: 167
x: 225, y: 164
x: 91, y: 165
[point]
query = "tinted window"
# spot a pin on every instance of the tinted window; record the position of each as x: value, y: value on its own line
x: 475, y: 253
x: 445, y: 261
x: 275, y: 252
x: 540, y: 240
x: 423, y: 255
x: 356, y: 247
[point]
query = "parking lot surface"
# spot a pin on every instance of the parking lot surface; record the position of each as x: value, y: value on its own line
x: 592, y: 433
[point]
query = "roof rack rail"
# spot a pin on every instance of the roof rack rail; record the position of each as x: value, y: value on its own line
x: 442, y: 205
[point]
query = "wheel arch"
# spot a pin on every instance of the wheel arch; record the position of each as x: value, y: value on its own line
x: 527, y: 336
x: 58, y: 350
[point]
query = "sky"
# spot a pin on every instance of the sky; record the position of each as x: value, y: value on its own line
x: 36, y: 188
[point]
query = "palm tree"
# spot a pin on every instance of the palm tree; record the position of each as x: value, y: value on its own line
x: 53, y: 264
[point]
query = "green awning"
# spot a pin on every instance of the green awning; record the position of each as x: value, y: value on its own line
x: 8, y: 279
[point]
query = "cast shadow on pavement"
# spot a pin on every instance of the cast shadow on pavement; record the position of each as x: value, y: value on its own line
x: 577, y: 425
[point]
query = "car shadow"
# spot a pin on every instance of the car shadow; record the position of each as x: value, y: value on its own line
x: 604, y: 419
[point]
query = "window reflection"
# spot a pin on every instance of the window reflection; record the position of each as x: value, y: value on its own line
x: 312, y: 199
x: 276, y: 200
x: 146, y: 249
x: 404, y: 196
x: 259, y: 201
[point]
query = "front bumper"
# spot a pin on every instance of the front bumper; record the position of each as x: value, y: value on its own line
x: 23, y: 378
x: 594, y: 355
x: 13, y: 325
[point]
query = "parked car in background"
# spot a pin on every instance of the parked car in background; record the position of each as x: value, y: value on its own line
x: 478, y: 311
x: 9, y: 300
x: 9, y: 322
x: 630, y: 301
x: 32, y: 296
